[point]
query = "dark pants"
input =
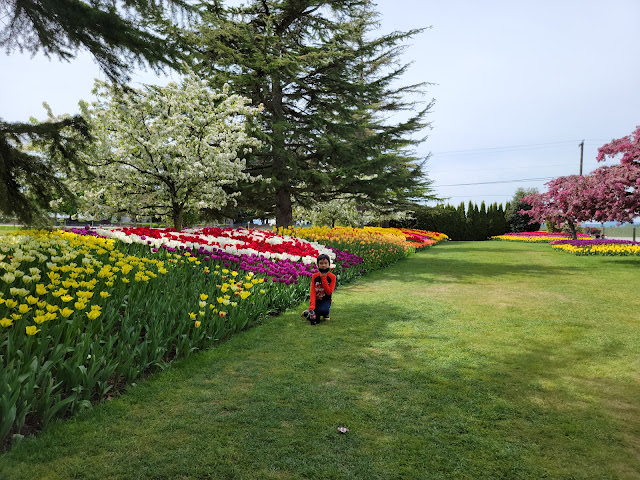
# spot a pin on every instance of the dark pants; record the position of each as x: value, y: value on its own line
x: 322, y: 308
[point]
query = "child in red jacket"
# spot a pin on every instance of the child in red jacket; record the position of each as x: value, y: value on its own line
x: 323, y: 283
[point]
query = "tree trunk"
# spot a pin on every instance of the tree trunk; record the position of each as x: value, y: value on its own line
x: 284, y: 211
x: 177, y: 216
x: 572, y: 230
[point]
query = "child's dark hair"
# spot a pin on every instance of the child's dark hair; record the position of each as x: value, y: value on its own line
x: 323, y: 256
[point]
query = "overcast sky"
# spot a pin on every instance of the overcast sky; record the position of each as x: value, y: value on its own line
x: 518, y: 85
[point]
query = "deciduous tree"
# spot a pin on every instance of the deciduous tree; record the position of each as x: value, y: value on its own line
x: 166, y: 150
x: 617, y: 188
x: 566, y: 202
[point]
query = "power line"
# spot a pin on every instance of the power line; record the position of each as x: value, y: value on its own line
x: 498, y: 181
x: 530, y: 146
x: 509, y: 168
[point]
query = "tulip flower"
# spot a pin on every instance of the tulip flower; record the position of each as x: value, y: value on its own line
x: 31, y: 330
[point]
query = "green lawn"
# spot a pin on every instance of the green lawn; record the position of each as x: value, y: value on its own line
x: 622, y: 232
x: 469, y: 360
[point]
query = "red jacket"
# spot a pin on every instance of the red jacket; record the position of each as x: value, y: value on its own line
x: 321, y: 288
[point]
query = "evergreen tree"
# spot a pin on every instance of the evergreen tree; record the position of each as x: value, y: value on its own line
x: 30, y: 181
x: 117, y: 38
x: 462, y: 221
x: 324, y: 87
x: 517, y: 222
x: 482, y: 228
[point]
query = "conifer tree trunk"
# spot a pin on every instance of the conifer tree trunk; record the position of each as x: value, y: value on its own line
x: 284, y: 211
x: 284, y: 208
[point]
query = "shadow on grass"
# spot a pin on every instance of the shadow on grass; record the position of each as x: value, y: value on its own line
x: 488, y: 413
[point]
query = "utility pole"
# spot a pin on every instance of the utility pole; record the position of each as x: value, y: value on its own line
x: 581, y: 153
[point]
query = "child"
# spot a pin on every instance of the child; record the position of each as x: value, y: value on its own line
x: 323, y: 283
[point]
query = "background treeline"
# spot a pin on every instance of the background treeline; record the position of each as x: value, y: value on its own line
x: 468, y: 222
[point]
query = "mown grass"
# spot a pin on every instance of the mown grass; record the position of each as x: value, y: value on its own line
x: 468, y: 360
x: 622, y: 232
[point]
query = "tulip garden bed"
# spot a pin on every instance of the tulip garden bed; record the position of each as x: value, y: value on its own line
x: 469, y: 360
x: 584, y: 245
x: 537, y: 237
x: 86, y: 312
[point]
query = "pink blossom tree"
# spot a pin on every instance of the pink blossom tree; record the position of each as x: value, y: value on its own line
x: 609, y: 193
x: 568, y: 201
x: 617, y: 188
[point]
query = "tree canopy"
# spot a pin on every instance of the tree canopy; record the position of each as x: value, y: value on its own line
x: 516, y: 220
x: 34, y: 159
x: 119, y: 36
x: 328, y: 99
x: 609, y: 193
x: 161, y: 151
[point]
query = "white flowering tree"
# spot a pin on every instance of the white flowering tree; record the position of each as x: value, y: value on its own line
x: 165, y: 150
x: 345, y: 211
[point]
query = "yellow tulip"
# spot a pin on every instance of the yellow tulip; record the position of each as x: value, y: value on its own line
x: 10, y: 303
x: 197, y: 323
x: 201, y: 313
x: 192, y: 315
x: 31, y: 300
x: 52, y: 308
x: 93, y: 314
x: 66, y: 298
x: 202, y: 304
x: 105, y: 294
x: 31, y: 330
x: 42, y: 304
x: 66, y: 312
x: 80, y: 305
x: 6, y: 322
x: 24, y: 308
x: 203, y: 296
x: 15, y: 316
